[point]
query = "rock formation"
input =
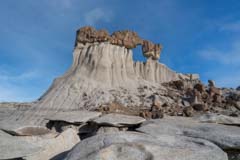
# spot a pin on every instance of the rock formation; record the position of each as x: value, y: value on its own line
x: 105, y: 99
x: 151, y: 50
x: 125, y: 38
x: 91, y: 35
x: 102, y: 73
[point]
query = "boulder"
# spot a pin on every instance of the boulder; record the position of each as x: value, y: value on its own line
x: 138, y: 146
x: 185, y: 103
x: 102, y: 35
x: 226, y: 137
x: 126, y: 38
x: 152, y: 50
x: 214, y: 90
x: 199, y: 107
x: 188, y: 111
x: 211, y: 83
x: 118, y: 120
x: 217, y: 98
x: 199, y: 87
x: 146, y: 114
x: 86, y: 34
x: 178, y: 84
x: 157, y: 114
x: 90, y: 35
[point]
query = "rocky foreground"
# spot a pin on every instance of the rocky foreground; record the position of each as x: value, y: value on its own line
x: 108, y: 107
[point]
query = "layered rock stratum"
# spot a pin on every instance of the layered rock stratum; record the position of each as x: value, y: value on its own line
x: 107, y: 106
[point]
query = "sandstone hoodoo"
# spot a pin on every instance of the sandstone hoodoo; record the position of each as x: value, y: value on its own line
x: 115, y: 108
x: 103, y: 72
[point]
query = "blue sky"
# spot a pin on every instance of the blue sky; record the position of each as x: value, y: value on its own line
x: 37, y: 38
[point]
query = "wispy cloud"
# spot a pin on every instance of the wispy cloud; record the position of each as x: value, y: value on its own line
x: 229, y: 81
x: 223, y: 59
x: 4, y: 76
x: 229, y: 56
x: 97, y: 15
x: 18, y: 87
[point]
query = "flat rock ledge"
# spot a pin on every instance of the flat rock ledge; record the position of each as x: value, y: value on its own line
x: 75, y: 117
x: 119, y: 120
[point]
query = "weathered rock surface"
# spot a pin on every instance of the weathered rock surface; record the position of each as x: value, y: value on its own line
x: 13, y: 125
x: 119, y: 120
x: 20, y: 129
x: 221, y: 119
x: 8, y: 108
x: 52, y: 146
x: 226, y: 137
x: 12, y: 148
x: 138, y: 146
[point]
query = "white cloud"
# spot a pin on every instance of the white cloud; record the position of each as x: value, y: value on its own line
x: 4, y: 76
x: 96, y: 15
x: 229, y: 56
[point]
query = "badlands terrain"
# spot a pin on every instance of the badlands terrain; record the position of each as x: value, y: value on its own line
x: 108, y: 107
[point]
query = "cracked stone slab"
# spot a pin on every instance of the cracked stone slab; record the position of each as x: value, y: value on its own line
x: 74, y: 116
x: 54, y: 145
x: 119, y: 120
x: 139, y: 146
x: 24, y: 129
x: 12, y: 147
x: 15, y: 126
